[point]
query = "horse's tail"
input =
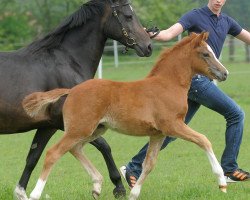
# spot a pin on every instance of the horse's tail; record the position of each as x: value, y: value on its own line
x: 36, y: 103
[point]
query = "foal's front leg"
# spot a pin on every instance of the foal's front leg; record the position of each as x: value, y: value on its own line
x: 181, y: 130
x: 155, y: 144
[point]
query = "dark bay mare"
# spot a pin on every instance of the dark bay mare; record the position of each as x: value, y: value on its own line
x: 64, y: 58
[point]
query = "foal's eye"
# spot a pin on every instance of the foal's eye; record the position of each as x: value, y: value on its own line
x: 206, y: 55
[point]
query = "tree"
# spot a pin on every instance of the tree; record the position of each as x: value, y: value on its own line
x: 240, y: 11
x: 15, y: 27
x: 163, y: 12
x: 22, y: 20
x: 50, y: 12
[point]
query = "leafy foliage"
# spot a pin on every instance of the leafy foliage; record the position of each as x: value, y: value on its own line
x: 239, y: 11
x: 15, y: 28
x: 23, y: 20
x: 162, y: 12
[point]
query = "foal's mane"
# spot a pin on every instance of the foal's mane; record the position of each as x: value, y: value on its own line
x: 78, y: 18
x: 164, y: 54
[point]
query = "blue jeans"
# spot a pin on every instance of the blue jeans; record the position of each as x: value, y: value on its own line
x: 204, y: 92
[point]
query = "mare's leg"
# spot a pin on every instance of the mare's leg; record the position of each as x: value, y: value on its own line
x: 67, y: 142
x: 155, y: 144
x: 39, y: 142
x: 181, y: 130
x: 101, y: 144
x: 92, y: 171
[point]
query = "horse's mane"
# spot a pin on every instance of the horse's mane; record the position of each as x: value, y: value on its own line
x: 164, y: 54
x: 78, y: 18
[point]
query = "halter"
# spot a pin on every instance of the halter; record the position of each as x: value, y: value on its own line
x: 129, y: 40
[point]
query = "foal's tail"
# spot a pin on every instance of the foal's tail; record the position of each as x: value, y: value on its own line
x: 36, y: 103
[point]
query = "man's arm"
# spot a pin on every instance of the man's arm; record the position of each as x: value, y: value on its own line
x: 170, y: 33
x: 244, y: 36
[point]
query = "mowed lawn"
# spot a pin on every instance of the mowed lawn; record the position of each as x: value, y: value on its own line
x: 182, y: 171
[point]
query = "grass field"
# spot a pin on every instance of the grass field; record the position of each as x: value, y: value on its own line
x: 182, y: 171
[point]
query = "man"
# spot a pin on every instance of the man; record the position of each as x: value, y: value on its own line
x: 203, y: 91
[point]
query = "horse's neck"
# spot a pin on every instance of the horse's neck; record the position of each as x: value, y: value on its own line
x: 85, y: 46
x: 174, y: 69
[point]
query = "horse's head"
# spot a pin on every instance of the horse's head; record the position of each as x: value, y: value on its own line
x: 204, y: 60
x: 123, y: 25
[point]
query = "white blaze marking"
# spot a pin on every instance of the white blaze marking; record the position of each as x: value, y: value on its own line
x: 211, y: 50
x: 131, y: 8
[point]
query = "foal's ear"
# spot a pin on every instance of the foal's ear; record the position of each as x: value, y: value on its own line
x: 193, y: 34
x: 205, y: 36
x: 199, y: 39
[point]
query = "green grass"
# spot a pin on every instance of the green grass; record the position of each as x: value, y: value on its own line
x: 182, y: 171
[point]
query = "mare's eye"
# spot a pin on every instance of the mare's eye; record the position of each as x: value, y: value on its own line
x: 206, y: 55
x: 129, y: 17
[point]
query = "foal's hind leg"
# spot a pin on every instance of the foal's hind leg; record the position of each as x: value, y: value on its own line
x: 181, y: 130
x: 53, y: 154
x: 39, y: 142
x: 101, y: 144
x: 155, y: 144
x: 92, y: 171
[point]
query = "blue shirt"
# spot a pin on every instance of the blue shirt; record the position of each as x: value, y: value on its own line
x: 203, y: 19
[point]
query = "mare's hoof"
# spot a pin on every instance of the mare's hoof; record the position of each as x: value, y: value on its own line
x: 119, y: 192
x: 95, y: 195
x: 20, y: 193
x: 223, y: 188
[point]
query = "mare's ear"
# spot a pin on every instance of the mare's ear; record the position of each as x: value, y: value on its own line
x: 199, y: 38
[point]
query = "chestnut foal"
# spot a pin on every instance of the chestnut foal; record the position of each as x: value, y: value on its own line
x: 154, y: 107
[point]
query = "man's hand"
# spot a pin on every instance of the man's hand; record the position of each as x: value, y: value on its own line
x: 153, y: 31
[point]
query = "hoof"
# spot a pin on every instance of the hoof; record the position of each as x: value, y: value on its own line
x: 223, y: 188
x: 119, y: 192
x: 132, y: 198
x: 95, y: 195
x: 34, y: 198
x: 20, y: 193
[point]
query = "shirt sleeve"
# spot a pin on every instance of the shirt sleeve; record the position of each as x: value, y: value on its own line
x: 235, y: 28
x: 187, y: 20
